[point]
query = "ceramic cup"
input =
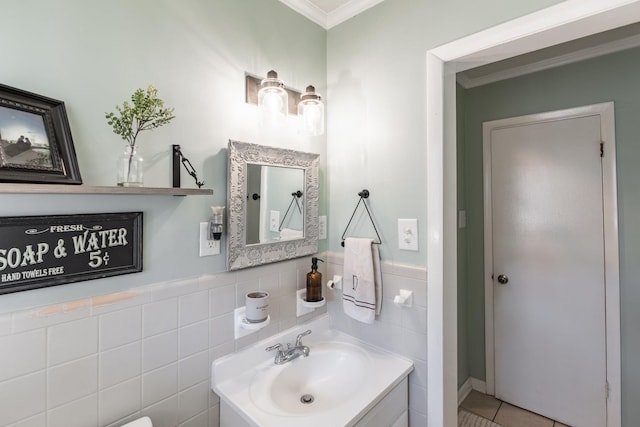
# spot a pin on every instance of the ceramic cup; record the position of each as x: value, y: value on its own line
x: 257, y: 306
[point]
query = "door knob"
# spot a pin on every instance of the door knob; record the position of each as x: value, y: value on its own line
x: 503, y: 279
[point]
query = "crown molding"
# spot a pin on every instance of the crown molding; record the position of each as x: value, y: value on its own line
x: 333, y: 18
x: 348, y: 11
x: 308, y: 9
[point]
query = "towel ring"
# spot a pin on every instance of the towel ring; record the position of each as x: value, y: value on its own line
x: 364, y: 194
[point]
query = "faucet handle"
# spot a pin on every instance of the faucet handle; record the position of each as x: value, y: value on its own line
x: 299, y: 337
x: 274, y: 347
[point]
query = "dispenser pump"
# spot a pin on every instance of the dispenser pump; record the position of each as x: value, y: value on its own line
x: 314, y: 282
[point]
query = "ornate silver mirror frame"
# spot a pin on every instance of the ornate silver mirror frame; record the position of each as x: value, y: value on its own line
x: 240, y: 255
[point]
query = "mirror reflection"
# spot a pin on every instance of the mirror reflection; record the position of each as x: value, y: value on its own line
x: 272, y: 198
x: 275, y: 201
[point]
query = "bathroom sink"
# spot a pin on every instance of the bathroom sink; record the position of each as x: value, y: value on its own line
x: 327, y: 378
x: 341, y: 381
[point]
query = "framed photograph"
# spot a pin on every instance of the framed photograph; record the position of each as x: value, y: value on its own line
x: 35, y: 139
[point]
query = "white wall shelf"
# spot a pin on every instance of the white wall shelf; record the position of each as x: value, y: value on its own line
x: 242, y: 326
x: 16, y: 188
x: 305, y: 307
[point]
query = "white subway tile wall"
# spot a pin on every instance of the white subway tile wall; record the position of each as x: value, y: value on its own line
x: 78, y: 413
x: 23, y: 396
x: 110, y: 359
x: 22, y: 353
x: 71, y: 381
x: 72, y: 340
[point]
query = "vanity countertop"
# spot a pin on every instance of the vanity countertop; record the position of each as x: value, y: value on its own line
x: 346, y: 377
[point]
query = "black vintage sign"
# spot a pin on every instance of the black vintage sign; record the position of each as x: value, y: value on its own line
x: 40, y: 251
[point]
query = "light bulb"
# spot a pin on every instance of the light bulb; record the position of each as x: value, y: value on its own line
x: 273, y: 101
x: 311, y: 112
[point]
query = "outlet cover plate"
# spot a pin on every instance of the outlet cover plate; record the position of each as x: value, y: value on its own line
x: 408, y: 234
x: 208, y: 247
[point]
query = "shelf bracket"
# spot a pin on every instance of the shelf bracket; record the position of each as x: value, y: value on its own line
x: 178, y: 158
x: 176, y: 165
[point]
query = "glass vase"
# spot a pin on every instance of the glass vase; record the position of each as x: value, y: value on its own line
x: 130, y: 168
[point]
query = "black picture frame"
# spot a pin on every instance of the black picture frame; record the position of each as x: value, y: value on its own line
x: 43, y: 251
x: 35, y: 139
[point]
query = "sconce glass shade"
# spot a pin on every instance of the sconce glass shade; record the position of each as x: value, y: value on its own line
x: 273, y: 101
x: 311, y: 112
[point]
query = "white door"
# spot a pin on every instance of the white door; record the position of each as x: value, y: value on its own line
x: 546, y: 205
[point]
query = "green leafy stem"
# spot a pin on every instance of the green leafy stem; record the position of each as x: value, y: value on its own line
x: 145, y: 112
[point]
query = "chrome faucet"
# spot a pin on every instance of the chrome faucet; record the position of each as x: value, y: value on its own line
x: 283, y: 356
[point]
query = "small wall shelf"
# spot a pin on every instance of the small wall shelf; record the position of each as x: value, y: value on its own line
x: 13, y: 188
x: 303, y: 306
x: 243, y: 327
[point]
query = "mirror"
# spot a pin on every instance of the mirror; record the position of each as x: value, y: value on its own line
x: 273, y: 204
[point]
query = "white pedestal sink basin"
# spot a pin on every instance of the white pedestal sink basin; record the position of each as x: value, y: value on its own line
x: 340, y: 381
x: 328, y: 377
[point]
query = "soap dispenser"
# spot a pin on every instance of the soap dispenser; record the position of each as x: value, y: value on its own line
x: 314, y: 282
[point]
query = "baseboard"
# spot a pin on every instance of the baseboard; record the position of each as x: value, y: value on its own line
x: 471, y: 384
x: 464, y: 390
x: 479, y: 385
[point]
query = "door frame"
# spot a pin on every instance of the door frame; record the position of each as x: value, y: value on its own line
x: 610, y: 230
x: 565, y: 21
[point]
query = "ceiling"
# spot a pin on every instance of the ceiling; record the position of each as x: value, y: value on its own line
x: 329, y: 13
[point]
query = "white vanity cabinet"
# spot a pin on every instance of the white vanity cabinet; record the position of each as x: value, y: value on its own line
x: 391, y: 411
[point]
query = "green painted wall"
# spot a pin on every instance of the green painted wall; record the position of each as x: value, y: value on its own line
x: 376, y: 119
x: 94, y: 54
x: 609, y: 78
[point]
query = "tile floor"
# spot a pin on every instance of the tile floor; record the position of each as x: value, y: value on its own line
x: 503, y: 413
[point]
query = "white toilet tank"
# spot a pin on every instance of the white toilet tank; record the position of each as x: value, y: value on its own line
x: 140, y: 422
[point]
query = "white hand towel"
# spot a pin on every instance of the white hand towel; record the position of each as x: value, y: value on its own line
x: 362, y: 280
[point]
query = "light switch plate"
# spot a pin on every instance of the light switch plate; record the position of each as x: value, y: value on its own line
x: 408, y: 234
x: 208, y: 247
x: 322, y: 227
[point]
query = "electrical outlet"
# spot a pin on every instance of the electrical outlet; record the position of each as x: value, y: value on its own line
x: 408, y: 234
x: 208, y: 247
x: 274, y: 221
x: 322, y: 227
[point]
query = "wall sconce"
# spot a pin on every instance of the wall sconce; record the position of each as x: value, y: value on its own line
x: 311, y: 112
x: 273, y: 101
x: 215, y: 223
